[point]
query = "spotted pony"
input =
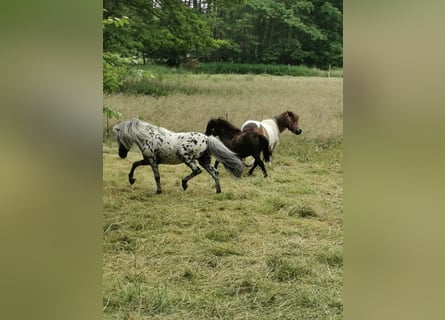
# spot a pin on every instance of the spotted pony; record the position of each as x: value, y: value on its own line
x: 161, y: 146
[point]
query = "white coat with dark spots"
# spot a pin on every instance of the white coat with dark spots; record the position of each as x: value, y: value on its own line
x: 161, y: 146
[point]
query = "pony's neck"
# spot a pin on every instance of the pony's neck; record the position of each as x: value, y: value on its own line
x: 281, y: 123
x: 156, y: 128
x: 136, y: 131
x: 163, y: 130
x: 229, y: 130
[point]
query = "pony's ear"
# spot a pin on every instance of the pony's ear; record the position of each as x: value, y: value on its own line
x: 291, y: 114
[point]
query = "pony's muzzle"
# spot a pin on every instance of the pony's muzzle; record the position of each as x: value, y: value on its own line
x: 298, y: 131
x: 122, y: 152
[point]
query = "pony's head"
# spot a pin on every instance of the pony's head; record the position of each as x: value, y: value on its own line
x: 292, y: 120
x: 123, y: 147
x: 122, y: 151
x: 211, y: 127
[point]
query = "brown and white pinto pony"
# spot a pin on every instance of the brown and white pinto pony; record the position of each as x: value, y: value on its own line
x: 272, y: 128
x: 244, y: 144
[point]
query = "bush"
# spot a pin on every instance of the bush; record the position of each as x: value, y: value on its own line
x: 146, y: 86
x: 114, y: 72
x: 272, y: 69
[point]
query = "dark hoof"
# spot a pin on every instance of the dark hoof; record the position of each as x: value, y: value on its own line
x: 158, y: 192
x: 184, y: 185
x: 218, y: 191
x: 131, y: 180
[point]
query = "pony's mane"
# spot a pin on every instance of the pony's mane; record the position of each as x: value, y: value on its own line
x: 226, y: 124
x: 135, y: 130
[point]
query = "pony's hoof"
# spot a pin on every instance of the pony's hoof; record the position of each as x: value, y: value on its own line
x: 131, y: 180
x: 158, y: 192
x: 184, y: 185
x: 218, y: 191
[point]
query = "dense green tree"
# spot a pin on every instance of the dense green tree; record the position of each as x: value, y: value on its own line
x: 113, y: 66
x: 247, y: 31
x: 281, y: 31
x: 163, y: 30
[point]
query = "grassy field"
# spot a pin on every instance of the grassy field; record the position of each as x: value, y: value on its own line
x: 263, y: 248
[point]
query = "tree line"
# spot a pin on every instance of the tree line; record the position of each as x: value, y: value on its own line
x: 174, y: 32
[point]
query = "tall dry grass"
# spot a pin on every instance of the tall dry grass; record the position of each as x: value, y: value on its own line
x: 318, y: 101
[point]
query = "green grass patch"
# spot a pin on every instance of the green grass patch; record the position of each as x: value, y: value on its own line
x: 157, y: 80
x: 263, y: 248
x: 271, y: 69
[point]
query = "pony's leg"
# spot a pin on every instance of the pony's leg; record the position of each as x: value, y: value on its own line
x: 216, y: 164
x: 270, y: 157
x: 195, y: 171
x: 260, y: 162
x: 143, y: 162
x: 154, y: 167
x: 270, y: 154
x: 263, y: 168
x: 205, y: 162
x: 255, y: 164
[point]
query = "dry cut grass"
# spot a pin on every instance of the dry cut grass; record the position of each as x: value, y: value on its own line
x: 263, y: 248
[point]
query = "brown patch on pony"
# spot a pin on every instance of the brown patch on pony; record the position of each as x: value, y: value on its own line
x: 254, y: 127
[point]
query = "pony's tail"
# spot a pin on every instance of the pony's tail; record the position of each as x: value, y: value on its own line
x: 264, y: 147
x: 226, y: 156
